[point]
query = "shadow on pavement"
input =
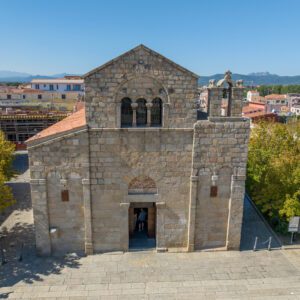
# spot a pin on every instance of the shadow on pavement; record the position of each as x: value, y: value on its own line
x: 254, y: 225
x: 21, y: 262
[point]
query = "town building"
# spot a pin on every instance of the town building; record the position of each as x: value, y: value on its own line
x: 295, y: 109
x: 71, y: 87
x: 276, y: 103
x: 135, y: 164
x: 20, y: 125
x: 67, y: 88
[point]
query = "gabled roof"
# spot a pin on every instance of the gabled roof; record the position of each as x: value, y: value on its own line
x: 141, y: 46
x: 74, y: 121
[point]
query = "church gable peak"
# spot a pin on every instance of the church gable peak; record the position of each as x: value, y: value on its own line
x: 139, y: 66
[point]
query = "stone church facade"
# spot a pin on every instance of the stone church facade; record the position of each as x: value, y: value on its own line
x: 138, y: 144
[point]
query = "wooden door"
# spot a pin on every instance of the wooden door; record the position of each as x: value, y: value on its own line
x: 151, y: 222
x: 131, y: 221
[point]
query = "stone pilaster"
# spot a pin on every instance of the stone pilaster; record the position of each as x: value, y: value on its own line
x: 215, y: 95
x: 237, y: 102
x: 160, y: 229
x: 41, y: 216
x: 149, y: 106
x: 134, y: 107
x: 235, y: 214
x: 165, y: 115
x: 124, y: 226
x: 192, y: 213
x: 88, y: 244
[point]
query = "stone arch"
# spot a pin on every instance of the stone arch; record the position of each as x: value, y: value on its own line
x: 142, y: 185
x: 142, y: 86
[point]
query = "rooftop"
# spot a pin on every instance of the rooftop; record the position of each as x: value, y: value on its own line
x: 275, y: 97
x: 76, y: 120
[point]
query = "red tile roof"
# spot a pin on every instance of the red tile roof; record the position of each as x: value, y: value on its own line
x: 76, y: 120
x: 275, y: 97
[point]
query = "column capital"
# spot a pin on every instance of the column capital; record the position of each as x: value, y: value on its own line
x: 160, y: 204
x: 134, y: 105
x: 124, y: 205
x: 85, y: 181
x: 149, y: 105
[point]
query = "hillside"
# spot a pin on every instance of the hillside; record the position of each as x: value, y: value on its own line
x: 254, y: 79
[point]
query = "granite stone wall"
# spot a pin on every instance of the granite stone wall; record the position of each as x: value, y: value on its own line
x: 56, y: 166
x: 141, y: 73
x: 220, y: 149
x: 120, y: 156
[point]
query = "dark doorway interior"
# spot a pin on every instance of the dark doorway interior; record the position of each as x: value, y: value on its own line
x: 142, y: 226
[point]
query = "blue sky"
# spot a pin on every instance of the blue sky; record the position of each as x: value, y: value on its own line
x: 207, y: 37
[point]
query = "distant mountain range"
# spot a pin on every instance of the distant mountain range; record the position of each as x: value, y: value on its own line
x: 252, y: 79
x: 10, y: 76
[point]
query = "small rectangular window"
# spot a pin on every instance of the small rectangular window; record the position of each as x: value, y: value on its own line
x: 63, y: 96
x: 213, y: 191
x: 64, y: 195
x: 51, y: 87
x: 39, y: 96
x: 24, y: 96
x: 8, y: 96
x: 37, y: 86
x: 68, y: 87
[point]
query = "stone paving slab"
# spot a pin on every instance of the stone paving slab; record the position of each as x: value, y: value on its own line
x: 140, y: 275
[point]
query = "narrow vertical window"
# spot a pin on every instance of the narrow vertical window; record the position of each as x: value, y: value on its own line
x: 156, y: 112
x: 65, y: 195
x: 141, y: 113
x: 126, y: 113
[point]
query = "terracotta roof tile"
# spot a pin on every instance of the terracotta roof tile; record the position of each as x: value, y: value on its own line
x: 76, y: 120
x: 275, y: 97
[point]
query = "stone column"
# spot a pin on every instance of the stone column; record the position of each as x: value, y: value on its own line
x: 124, y: 226
x: 134, y: 107
x: 192, y: 213
x: 41, y: 216
x: 149, y: 106
x: 235, y: 214
x: 160, y: 230
x: 88, y: 244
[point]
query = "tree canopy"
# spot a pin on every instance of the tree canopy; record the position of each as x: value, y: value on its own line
x: 278, y: 89
x: 6, y: 157
x: 273, y: 173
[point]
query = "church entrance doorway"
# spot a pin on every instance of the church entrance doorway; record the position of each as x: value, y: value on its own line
x: 142, y: 220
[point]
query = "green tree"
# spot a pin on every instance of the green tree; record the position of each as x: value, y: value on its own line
x: 6, y: 158
x: 273, y: 172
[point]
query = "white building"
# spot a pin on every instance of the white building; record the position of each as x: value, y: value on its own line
x: 69, y: 87
x: 251, y: 95
x: 295, y: 110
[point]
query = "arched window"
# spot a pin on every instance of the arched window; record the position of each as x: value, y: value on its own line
x: 126, y: 113
x: 156, y: 112
x: 141, y: 113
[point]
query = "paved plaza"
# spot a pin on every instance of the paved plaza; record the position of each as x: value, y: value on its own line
x: 143, y: 274
x: 148, y: 275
